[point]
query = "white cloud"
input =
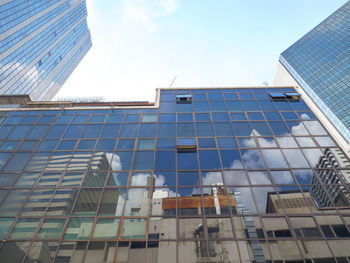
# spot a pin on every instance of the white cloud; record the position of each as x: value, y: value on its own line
x: 304, y: 116
x: 159, y: 180
x: 146, y: 12
x: 140, y: 179
x: 282, y: 177
x: 114, y: 161
x: 259, y: 177
x: 169, y: 5
x: 212, y: 178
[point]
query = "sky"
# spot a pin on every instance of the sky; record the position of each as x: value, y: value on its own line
x: 141, y: 45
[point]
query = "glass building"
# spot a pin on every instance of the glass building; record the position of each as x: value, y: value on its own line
x: 201, y: 175
x: 320, y: 63
x: 41, y: 42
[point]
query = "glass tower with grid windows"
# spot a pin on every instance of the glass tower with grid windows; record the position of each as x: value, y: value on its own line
x: 320, y: 63
x: 203, y: 175
x: 41, y: 43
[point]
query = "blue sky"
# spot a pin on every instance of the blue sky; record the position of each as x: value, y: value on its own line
x: 140, y: 45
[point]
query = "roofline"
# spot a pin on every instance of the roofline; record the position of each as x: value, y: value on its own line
x: 68, y: 105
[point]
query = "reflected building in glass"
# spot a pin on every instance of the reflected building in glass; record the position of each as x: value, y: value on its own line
x: 319, y: 64
x: 201, y: 175
x: 41, y: 43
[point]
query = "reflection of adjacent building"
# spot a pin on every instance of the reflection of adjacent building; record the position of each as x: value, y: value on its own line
x: 328, y: 186
x: 39, y: 251
x: 291, y: 201
x: 95, y: 165
x: 78, y: 162
x: 215, y: 203
x: 279, y: 230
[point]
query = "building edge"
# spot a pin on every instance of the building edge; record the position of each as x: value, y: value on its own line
x: 283, y: 78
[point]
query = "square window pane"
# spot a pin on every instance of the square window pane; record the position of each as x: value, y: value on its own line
x: 51, y: 229
x: 140, y: 179
x: 206, y: 143
x: 7, y: 179
x: 223, y: 129
x: 282, y: 177
x: 109, y: 202
x: 238, y: 116
x: 106, y: 228
x: 78, y: 229
x: 274, y: 158
x: 166, y: 130
x: 118, y: 179
x: 210, y: 178
x: 238, y: 177
x: 149, y: 118
x: 242, y: 128
x: 247, y: 142
x: 95, y: 179
x: 37, y: 202
x: 184, y: 117
x: 99, y: 251
x: 13, y: 202
x: 126, y: 144
x: 209, y: 159
x: 143, y: 160
x: 62, y: 202
x: 204, y: 129
x: 110, y: 131
x: 105, y: 145
x: 5, y: 225
x: 24, y: 229
x: 145, y: 144
x: 188, y: 179
x: 267, y: 142
x: 252, y: 159
x: 87, y: 202
x: 134, y: 228
x: 187, y: 161
x: 231, y: 159
x: 203, y: 117
x: 137, y: 203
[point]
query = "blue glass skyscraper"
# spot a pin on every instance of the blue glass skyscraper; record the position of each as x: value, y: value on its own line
x: 320, y: 63
x: 41, y: 42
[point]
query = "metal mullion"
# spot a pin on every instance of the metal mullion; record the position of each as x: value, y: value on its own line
x: 49, y: 203
x: 9, y: 232
x: 19, y: 211
x: 59, y: 139
x: 9, y: 189
x: 122, y: 217
x: 266, y: 238
x: 294, y: 235
x: 199, y: 171
x: 325, y: 239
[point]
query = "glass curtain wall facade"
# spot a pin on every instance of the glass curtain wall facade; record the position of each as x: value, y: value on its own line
x: 212, y: 175
x: 320, y: 63
x: 41, y: 43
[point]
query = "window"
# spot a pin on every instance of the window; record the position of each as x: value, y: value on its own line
x: 292, y: 95
x: 341, y: 231
x: 149, y: 118
x: 183, y: 99
x: 282, y: 233
x: 277, y: 95
x: 184, y: 145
